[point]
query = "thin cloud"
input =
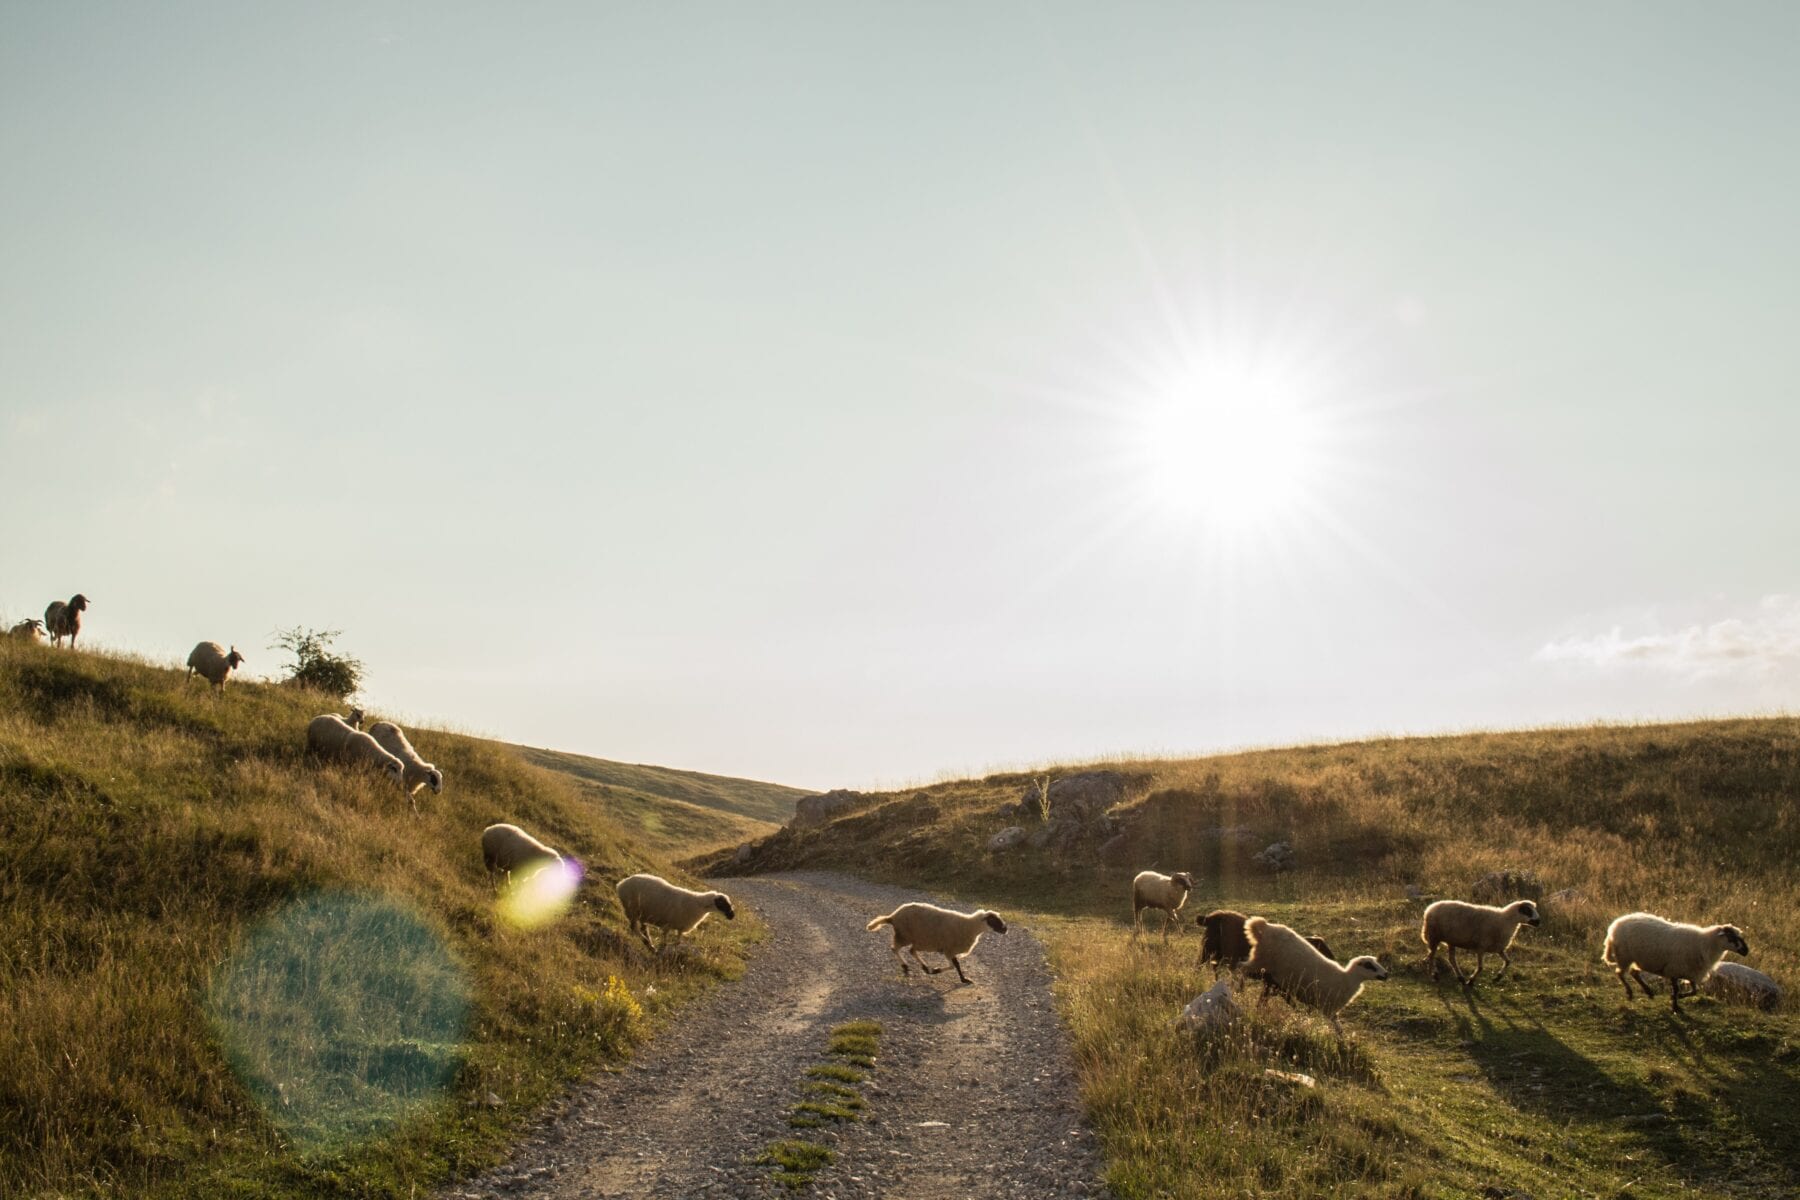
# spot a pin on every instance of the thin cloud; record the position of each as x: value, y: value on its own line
x: 1760, y: 643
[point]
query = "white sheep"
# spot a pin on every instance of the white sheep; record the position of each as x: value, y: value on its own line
x: 1747, y: 985
x: 649, y: 900
x: 1287, y: 963
x: 507, y: 848
x: 31, y: 630
x: 1486, y: 929
x: 64, y: 620
x: 1639, y: 942
x: 1165, y: 893
x: 918, y: 926
x: 419, y: 773
x: 330, y: 737
x: 213, y: 664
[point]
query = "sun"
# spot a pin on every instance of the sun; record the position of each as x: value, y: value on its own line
x: 1235, y: 446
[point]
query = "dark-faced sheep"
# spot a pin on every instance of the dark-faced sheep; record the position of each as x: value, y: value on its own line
x: 63, y: 620
x: 926, y: 927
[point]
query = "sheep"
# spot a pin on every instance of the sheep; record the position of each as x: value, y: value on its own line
x: 1286, y: 963
x: 64, y: 620
x: 651, y: 900
x: 918, y: 926
x: 1165, y: 893
x: 1486, y: 929
x: 213, y: 664
x: 1224, y: 945
x: 355, y: 719
x: 507, y: 848
x: 1639, y: 942
x: 419, y: 773
x: 330, y: 737
x: 31, y: 630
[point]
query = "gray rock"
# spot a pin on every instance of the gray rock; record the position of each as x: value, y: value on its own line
x: 743, y: 853
x: 1745, y: 985
x: 1114, y: 848
x: 1507, y: 886
x: 1085, y: 796
x: 816, y: 810
x: 1007, y: 839
x: 1276, y: 856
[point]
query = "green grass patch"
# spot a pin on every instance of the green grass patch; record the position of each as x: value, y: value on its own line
x: 796, y: 1161
x: 838, y: 1072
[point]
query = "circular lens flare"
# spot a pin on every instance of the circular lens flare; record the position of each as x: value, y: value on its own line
x: 533, y: 900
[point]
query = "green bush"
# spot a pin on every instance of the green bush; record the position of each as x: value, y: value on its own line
x: 315, y: 666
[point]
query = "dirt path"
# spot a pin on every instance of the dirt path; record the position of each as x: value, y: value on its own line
x: 974, y: 1094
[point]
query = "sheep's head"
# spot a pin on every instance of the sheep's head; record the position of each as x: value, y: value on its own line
x: 435, y: 778
x: 1366, y: 967
x: 394, y: 771
x: 993, y: 921
x: 78, y: 602
x: 234, y: 659
x: 1525, y: 912
x: 722, y: 902
x: 1182, y: 880
x: 1733, y: 939
x: 1322, y: 946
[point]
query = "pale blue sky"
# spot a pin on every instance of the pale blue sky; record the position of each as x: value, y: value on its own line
x: 760, y: 389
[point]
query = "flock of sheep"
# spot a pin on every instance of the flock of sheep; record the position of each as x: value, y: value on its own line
x: 1305, y: 971
x: 652, y: 902
x: 1302, y: 969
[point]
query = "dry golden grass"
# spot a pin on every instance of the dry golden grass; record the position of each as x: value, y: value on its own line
x: 1547, y: 1081
x: 147, y: 828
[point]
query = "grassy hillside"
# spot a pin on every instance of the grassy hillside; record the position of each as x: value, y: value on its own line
x: 1547, y: 1082
x: 227, y: 970
x: 665, y: 826
x: 772, y: 803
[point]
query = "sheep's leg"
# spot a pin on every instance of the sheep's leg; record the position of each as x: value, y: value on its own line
x: 1455, y: 969
x: 914, y: 951
x: 1480, y: 961
x: 1639, y: 976
x: 1264, y: 998
x: 1336, y: 1028
x: 957, y: 963
x: 1168, y: 919
x: 1505, y: 962
x: 1431, y: 958
x: 1675, y: 996
x: 1136, y: 922
x: 894, y: 949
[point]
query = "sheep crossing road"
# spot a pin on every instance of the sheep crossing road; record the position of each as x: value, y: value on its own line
x: 988, y: 1061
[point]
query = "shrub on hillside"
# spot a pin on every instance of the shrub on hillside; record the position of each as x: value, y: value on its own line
x: 315, y: 666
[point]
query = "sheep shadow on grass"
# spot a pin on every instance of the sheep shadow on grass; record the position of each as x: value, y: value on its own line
x: 1677, y: 1113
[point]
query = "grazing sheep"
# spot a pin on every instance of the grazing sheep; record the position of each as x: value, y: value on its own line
x: 507, y: 848
x: 1485, y: 929
x: 651, y: 900
x: 31, y: 630
x: 1224, y: 944
x: 1639, y: 942
x: 1747, y: 985
x: 329, y: 737
x: 355, y: 719
x: 1288, y: 964
x: 918, y: 926
x: 1165, y: 893
x: 214, y: 665
x: 64, y: 620
x: 419, y: 773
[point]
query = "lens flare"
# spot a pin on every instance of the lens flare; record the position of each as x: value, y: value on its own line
x: 533, y: 901
x: 341, y: 1014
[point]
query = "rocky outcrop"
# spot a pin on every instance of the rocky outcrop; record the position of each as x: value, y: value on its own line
x: 816, y: 810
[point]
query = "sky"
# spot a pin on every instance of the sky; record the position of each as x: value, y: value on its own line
x: 856, y: 395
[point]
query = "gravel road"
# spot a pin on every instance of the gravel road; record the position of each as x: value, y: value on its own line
x: 973, y: 1095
